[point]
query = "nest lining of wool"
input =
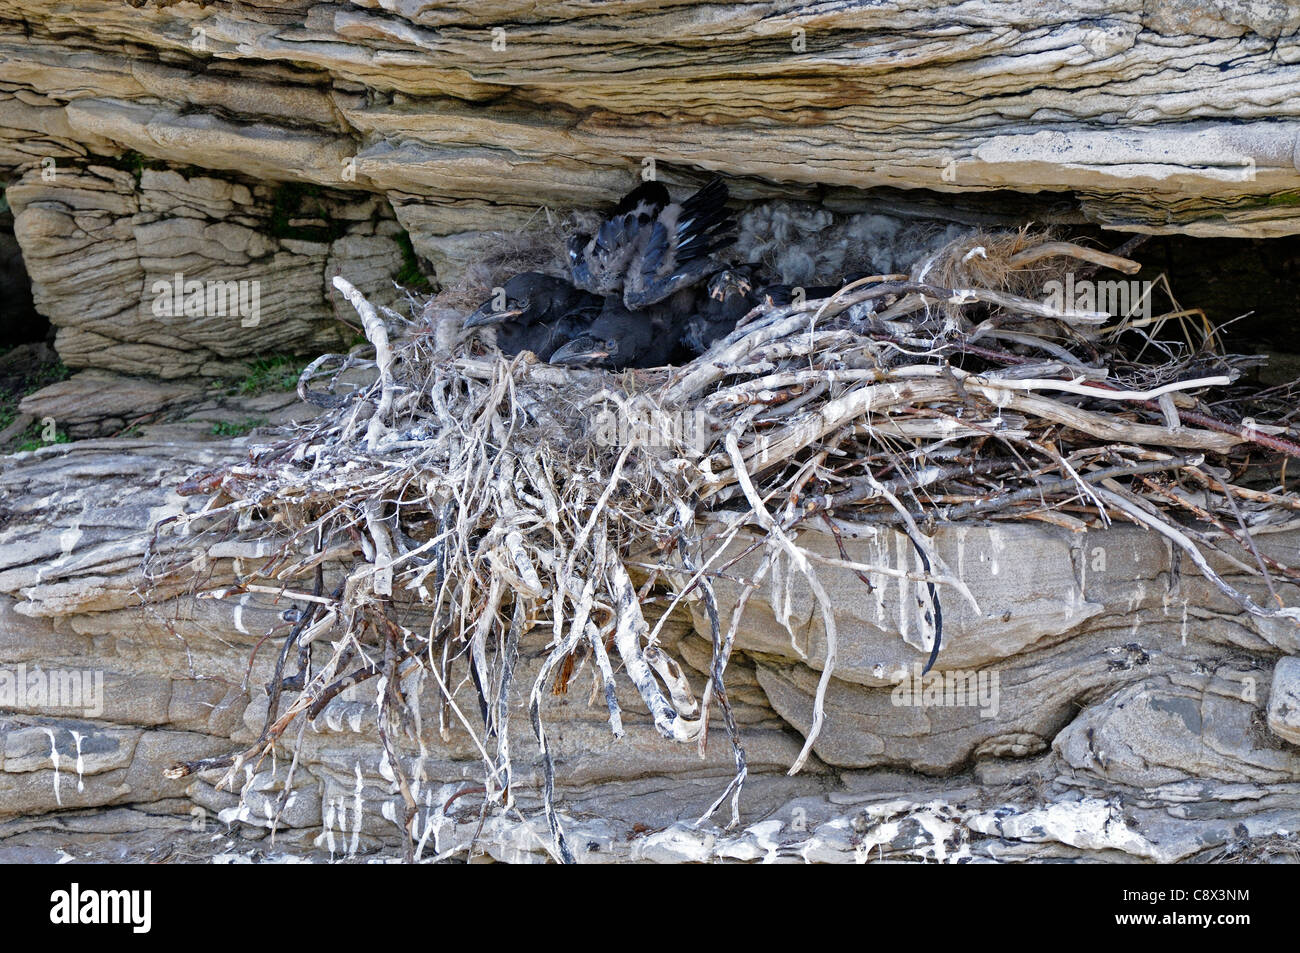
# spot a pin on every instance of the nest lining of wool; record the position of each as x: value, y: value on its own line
x: 504, y: 497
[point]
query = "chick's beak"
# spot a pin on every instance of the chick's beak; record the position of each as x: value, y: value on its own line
x: 729, y: 283
x: 485, y: 315
x: 578, y: 352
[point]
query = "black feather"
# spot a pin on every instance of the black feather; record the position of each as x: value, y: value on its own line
x: 652, y: 196
x: 651, y: 248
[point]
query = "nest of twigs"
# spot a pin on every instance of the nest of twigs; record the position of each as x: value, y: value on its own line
x: 498, y: 495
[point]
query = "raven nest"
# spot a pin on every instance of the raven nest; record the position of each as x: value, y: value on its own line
x: 498, y: 499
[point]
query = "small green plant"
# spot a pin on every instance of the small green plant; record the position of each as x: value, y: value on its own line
x: 45, y: 375
x: 228, y: 428
x: 409, y: 274
x: 296, y: 200
x: 13, y: 391
x: 277, y: 372
x: 32, y: 439
x: 133, y: 162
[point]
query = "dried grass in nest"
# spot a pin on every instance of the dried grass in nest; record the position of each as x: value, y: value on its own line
x: 985, y: 260
x: 472, y: 488
x: 1019, y: 263
x: 496, y: 256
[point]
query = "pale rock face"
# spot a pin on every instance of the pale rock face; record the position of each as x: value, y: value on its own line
x: 179, y: 276
x: 1092, y: 700
x: 1089, y: 673
x: 471, y: 119
x: 1284, y: 700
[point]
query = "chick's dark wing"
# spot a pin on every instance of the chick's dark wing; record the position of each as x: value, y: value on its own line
x: 674, y: 254
x: 645, y: 201
x: 600, y: 265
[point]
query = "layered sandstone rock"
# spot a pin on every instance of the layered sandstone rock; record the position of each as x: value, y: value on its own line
x: 462, y: 120
x: 116, y: 262
x: 1145, y: 719
x: 1126, y: 711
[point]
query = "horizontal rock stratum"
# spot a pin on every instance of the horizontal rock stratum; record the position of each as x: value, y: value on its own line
x: 467, y: 118
x: 1138, y: 715
x: 1185, y: 109
x: 1130, y: 723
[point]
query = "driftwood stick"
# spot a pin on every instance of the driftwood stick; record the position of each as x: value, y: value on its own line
x: 377, y: 334
x: 1070, y: 250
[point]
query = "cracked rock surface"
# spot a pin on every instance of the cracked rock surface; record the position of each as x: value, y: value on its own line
x: 1153, y: 722
x: 1121, y: 709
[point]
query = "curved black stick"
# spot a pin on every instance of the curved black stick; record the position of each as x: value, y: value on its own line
x: 934, y: 602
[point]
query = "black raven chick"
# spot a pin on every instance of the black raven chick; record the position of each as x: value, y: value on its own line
x: 536, y: 313
x: 648, y: 249
x: 621, y: 338
x: 730, y: 296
